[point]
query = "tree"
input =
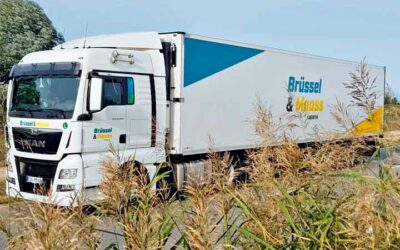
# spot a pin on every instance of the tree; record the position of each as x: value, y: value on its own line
x: 24, y: 28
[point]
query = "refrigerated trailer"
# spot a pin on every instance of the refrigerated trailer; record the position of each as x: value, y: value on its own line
x: 158, y: 96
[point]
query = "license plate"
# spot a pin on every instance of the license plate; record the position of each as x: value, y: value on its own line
x: 34, y: 180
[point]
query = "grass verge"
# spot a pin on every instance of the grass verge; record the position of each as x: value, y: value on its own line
x: 391, y: 117
x: 316, y: 197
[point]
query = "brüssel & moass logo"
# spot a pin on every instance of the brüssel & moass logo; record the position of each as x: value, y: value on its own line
x: 301, y: 102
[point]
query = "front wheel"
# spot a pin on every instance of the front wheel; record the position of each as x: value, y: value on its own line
x: 166, y: 185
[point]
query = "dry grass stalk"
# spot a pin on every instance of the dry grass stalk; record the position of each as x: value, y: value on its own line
x: 224, y: 173
x: 299, y: 197
x: 87, y: 223
x: 200, y: 216
x: 276, y: 130
x: 208, y: 200
x: 3, y: 149
x: 47, y: 226
x: 130, y: 198
x: 340, y: 112
x: 363, y: 88
x: 310, y: 204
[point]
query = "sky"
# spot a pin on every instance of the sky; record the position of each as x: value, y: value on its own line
x: 343, y: 29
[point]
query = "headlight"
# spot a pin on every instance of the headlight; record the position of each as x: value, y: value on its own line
x: 68, y: 173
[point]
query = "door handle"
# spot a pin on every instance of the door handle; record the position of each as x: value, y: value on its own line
x: 122, y: 138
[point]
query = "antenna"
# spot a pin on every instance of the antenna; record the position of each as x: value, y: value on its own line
x: 84, y: 42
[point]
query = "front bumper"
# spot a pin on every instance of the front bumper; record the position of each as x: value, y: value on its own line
x: 49, y: 172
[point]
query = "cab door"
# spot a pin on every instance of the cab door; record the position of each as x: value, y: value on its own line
x: 139, y: 120
x: 108, y: 126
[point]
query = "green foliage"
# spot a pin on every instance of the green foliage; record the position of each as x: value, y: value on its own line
x: 24, y: 28
x: 3, y: 100
x: 390, y: 100
x: 3, y: 151
x: 28, y: 94
x: 390, y: 97
x: 391, y: 117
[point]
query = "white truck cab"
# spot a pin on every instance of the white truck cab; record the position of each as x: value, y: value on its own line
x: 67, y: 105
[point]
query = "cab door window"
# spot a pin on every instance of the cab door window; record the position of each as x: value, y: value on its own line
x: 118, y: 91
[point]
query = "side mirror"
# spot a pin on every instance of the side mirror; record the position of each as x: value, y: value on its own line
x: 95, y: 94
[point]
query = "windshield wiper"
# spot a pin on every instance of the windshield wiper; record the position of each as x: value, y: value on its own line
x: 24, y: 110
x: 62, y: 112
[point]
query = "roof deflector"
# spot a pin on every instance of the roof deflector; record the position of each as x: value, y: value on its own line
x: 142, y: 40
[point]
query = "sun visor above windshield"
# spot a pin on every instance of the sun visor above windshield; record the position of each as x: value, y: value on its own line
x: 59, y: 68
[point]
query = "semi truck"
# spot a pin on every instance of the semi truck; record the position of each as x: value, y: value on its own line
x: 159, y: 96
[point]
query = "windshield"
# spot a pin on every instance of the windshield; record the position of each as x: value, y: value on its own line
x: 44, y: 96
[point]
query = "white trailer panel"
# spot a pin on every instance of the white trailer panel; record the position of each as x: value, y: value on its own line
x: 222, y: 81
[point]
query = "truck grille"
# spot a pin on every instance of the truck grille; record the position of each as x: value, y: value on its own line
x: 42, y: 141
x: 35, y: 169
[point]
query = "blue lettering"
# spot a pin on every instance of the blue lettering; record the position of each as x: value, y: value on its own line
x: 303, y: 86
x: 317, y: 87
x: 320, y: 85
x: 297, y: 86
x: 102, y: 130
x: 311, y: 87
x: 301, y: 89
x: 27, y: 124
x: 291, y: 84
x: 306, y: 87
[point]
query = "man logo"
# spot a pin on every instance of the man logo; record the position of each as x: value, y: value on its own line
x: 34, y: 131
x: 28, y: 144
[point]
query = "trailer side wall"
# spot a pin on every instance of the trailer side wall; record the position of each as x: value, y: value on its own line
x: 222, y: 82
